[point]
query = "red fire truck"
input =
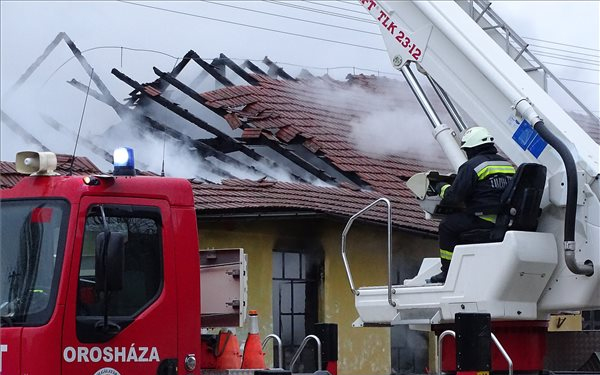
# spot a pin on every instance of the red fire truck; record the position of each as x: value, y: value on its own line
x: 100, y: 274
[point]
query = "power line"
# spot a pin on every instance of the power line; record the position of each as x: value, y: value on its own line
x: 565, y: 50
x: 294, y: 18
x: 567, y: 58
x: 561, y: 44
x: 576, y: 80
x: 334, y: 7
x: 301, y: 35
x: 570, y: 66
x: 252, y: 26
x: 309, y: 9
x: 107, y: 47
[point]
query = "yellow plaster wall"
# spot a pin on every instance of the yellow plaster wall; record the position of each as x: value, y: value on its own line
x: 360, y: 350
x: 363, y: 351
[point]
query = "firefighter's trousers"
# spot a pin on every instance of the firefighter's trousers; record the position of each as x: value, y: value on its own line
x: 450, y: 229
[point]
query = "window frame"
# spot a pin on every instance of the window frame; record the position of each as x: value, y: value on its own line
x: 153, y: 212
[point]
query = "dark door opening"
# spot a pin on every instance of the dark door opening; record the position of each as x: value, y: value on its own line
x: 295, y: 308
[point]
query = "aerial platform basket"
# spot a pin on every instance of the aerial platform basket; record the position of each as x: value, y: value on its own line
x: 504, y: 279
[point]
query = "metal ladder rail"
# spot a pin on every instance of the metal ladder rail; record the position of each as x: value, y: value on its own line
x: 301, y: 348
x: 274, y: 337
x: 511, y: 37
x: 453, y: 334
x: 389, y: 247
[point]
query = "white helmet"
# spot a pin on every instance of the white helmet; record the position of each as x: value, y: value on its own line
x: 476, y: 136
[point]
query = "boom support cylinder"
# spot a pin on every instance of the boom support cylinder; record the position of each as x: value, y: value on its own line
x: 442, y: 133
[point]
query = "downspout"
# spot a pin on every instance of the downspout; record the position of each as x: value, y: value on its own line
x: 587, y: 268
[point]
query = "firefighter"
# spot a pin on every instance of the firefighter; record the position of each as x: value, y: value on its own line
x: 478, y: 186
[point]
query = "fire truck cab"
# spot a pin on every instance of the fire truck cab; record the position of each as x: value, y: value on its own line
x: 101, y: 274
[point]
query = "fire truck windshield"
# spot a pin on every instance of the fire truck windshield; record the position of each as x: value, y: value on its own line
x: 32, y: 239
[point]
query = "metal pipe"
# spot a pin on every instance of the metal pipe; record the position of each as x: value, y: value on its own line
x: 297, y: 354
x: 439, y: 350
x: 447, y: 102
x: 586, y: 268
x: 273, y: 336
x: 420, y: 94
x: 389, y: 246
x: 442, y: 133
x: 504, y: 354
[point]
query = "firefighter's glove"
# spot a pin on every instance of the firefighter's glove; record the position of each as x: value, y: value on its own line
x: 431, y: 191
x: 437, y: 187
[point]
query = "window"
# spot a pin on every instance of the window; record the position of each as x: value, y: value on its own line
x: 32, y: 239
x: 142, y: 279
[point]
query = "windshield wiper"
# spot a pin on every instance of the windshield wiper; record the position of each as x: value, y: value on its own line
x: 6, y: 321
x: 29, y: 262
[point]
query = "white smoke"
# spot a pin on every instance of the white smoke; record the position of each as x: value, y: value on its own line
x: 386, y: 120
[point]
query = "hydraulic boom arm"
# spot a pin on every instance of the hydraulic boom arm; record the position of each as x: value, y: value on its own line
x: 462, y: 61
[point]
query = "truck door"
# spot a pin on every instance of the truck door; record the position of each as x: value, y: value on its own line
x: 133, y: 329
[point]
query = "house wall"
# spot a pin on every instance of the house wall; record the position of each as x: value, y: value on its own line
x: 361, y: 350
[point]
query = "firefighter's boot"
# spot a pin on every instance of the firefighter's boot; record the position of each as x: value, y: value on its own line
x: 439, y: 278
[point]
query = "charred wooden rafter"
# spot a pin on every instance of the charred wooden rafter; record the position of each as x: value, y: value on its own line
x: 253, y: 68
x: 291, y: 156
x: 276, y: 71
x: 202, y: 148
x: 262, y: 140
x: 20, y: 130
x: 63, y: 129
x: 187, y: 90
x: 226, y: 141
x: 238, y: 70
x: 210, y: 69
x: 82, y: 61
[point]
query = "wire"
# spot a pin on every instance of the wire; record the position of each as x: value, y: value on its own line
x: 309, y: 9
x: 362, y: 12
x: 107, y: 47
x: 562, y: 57
x: 576, y: 80
x: 561, y: 44
x: 570, y: 66
x: 253, y: 26
x: 565, y: 50
x: 294, y: 18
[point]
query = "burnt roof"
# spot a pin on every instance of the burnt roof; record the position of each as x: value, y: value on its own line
x: 82, y: 166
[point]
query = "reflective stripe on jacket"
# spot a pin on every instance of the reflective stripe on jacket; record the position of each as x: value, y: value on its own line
x: 479, y: 182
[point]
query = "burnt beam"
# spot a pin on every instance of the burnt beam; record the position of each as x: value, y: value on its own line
x: 89, y: 70
x: 63, y: 129
x: 275, y: 70
x: 177, y: 69
x: 119, y: 108
x: 17, y: 128
x: 154, y: 95
x: 188, y: 91
x: 253, y: 68
x: 32, y: 68
x: 82, y: 61
x: 210, y: 69
x: 238, y: 70
x: 203, y: 149
x: 292, y: 156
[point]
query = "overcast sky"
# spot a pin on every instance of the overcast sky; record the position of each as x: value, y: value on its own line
x: 250, y: 30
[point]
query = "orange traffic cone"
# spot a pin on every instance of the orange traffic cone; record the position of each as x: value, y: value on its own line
x: 228, y: 351
x: 254, y: 357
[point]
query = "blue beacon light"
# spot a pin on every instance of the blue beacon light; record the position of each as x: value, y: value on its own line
x: 123, y: 162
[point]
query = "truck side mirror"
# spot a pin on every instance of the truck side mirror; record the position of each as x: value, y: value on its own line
x: 110, y: 261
